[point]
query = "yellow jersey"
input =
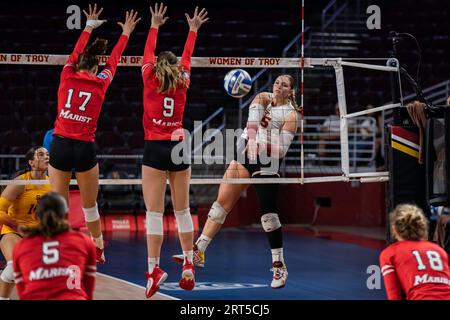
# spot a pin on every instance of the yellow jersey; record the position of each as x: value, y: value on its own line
x: 23, y: 209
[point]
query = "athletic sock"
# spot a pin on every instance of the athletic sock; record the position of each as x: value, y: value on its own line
x: 277, y: 255
x: 189, y: 256
x: 203, y: 242
x: 152, y: 263
x: 98, y: 241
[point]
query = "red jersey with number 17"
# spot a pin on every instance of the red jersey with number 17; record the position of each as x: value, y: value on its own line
x: 58, y: 268
x: 163, y: 112
x: 81, y: 95
x: 415, y: 270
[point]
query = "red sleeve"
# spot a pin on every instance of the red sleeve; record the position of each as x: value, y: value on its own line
x: 17, y: 271
x: 149, y: 51
x: 111, y: 65
x: 188, y: 50
x: 391, y: 282
x: 79, y: 48
x: 90, y: 270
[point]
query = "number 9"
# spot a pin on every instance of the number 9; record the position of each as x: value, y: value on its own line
x: 168, y: 107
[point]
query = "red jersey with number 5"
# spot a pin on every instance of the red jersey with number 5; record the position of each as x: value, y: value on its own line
x: 81, y: 95
x: 59, y: 268
x: 163, y: 112
x: 415, y: 270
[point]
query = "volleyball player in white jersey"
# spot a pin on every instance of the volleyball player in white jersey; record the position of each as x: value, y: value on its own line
x: 271, y: 125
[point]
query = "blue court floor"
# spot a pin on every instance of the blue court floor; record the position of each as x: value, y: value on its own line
x: 238, y: 267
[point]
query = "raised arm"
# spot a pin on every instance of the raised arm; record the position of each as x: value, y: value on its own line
x: 158, y: 20
x: 194, y: 24
x: 128, y: 26
x: 91, y: 23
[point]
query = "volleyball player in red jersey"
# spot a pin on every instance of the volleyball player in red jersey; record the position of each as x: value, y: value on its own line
x: 80, y: 97
x: 53, y: 262
x: 165, y: 86
x: 414, y: 268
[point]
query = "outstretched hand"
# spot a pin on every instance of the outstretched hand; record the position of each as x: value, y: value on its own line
x: 158, y: 13
x: 131, y: 19
x: 92, y: 17
x: 197, y: 19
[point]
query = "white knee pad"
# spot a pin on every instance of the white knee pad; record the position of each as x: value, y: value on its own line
x: 91, y: 214
x: 154, y: 223
x: 270, y: 222
x: 217, y: 213
x: 8, y: 273
x: 184, y: 221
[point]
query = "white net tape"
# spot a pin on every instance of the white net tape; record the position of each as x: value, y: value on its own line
x: 136, y: 61
x: 366, y: 177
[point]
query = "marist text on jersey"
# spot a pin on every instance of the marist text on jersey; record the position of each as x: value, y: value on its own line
x: 66, y: 114
x: 166, y: 123
x: 427, y: 279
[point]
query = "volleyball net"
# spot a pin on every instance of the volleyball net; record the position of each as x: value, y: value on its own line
x: 335, y: 141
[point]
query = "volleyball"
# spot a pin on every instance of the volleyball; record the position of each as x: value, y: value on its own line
x: 237, y: 83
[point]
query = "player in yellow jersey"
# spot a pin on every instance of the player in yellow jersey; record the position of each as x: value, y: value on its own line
x: 17, y: 207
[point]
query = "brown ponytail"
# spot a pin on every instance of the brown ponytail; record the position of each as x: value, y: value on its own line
x: 88, y: 59
x: 168, y: 72
x: 50, y: 225
x: 51, y: 210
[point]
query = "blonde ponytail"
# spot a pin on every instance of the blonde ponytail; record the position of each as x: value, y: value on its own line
x: 409, y: 222
x: 168, y: 73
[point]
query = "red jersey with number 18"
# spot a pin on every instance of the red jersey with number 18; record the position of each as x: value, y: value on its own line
x: 163, y: 112
x: 58, y: 268
x: 81, y: 95
x: 415, y: 270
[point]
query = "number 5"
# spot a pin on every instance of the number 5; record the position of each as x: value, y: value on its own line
x: 50, y: 252
x: 168, y: 107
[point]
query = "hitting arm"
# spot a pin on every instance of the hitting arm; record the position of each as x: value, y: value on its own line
x: 278, y: 149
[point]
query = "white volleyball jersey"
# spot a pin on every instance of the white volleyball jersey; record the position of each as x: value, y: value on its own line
x: 271, y: 123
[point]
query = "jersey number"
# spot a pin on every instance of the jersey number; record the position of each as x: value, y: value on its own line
x: 50, y: 252
x: 81, y: 94
x: 434, y: 260
x: 32, y: 209
x: 168, y: 107
x: 265, y: 119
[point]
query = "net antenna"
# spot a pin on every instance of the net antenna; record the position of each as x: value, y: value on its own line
x: 302, y: 88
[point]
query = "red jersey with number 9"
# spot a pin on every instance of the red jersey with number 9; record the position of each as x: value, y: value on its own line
x: 81, y: 95
x: 415, y: 270
x: 163, y: 112
x: 58, y: 268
